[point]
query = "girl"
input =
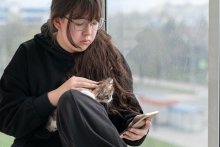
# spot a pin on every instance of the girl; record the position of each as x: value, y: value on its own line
x: 70, y: 54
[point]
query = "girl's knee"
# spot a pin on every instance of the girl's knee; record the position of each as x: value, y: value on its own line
x: 66, y: 97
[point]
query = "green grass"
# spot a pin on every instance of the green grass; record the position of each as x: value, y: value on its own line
x: 152, y: 142
x: 6, y: 141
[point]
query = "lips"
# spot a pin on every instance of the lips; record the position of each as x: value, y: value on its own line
x: 85, y: 41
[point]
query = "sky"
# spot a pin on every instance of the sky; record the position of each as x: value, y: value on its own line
x: 37, y: 3
x: 116, y: 5
x: 144, y: 5
x: 118, y: 2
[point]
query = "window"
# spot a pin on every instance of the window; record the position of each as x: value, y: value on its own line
x: 19, y: 22
x: 172, y: 48
x: 166, y: 45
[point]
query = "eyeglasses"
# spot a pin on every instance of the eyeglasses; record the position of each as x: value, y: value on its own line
x: 81, y: 24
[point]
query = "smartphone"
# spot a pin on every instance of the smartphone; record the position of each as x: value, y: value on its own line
x: 140, y: 121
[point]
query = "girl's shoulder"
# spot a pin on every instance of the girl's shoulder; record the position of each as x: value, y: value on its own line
x: 35, y: 45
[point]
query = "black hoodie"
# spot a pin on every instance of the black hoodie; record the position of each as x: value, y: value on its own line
x: 36, y: 69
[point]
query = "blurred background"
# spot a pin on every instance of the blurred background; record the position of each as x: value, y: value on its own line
x: 165, y: 42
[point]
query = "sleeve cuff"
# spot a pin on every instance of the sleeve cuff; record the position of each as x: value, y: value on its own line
x: 43, y: 106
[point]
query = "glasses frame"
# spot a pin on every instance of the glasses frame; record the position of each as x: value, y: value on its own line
x: 72, y: 20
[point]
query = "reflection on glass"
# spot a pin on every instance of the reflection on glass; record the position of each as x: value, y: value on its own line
x: 166, y: 45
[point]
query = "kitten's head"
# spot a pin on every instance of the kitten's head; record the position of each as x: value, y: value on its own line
x: 104, y: 91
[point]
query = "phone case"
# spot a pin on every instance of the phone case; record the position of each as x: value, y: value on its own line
x: 139, y: 122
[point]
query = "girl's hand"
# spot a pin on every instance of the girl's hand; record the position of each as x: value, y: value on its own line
x: 136, y: 134
x: 77, y: 83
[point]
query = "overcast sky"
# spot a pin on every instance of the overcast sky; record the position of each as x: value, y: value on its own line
x: 119, y: 2
x: 144, y: 5
x: 118, y: 5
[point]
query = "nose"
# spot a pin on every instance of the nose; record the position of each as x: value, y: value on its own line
x: 88, y: 30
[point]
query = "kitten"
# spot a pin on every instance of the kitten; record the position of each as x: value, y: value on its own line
x: 103, y: 93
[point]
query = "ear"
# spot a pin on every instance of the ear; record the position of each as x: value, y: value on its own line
x: 57, y: 23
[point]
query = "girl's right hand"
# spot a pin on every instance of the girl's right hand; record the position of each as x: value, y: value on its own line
x: 77, y: 83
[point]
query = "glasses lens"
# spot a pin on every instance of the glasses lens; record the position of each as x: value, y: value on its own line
x: 80, y: 24
x: 101, y: 22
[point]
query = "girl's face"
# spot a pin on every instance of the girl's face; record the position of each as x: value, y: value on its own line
x: 82, y: 38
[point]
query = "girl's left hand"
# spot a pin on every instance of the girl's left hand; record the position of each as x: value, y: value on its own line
x: 136, y: 134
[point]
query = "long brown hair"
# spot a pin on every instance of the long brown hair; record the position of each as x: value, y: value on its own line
x: 101, y: 59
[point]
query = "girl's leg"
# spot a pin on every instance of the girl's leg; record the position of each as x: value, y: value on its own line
x: 83, y: 122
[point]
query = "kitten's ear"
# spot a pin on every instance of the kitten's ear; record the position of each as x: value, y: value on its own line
x: 110, y: 80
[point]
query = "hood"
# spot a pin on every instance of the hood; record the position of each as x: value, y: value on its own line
x: 46, y: 41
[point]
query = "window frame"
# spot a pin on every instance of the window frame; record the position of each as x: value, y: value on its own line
x: 214, y: 80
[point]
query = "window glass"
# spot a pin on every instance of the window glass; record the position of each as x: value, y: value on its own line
x: 19, y: 22
x: 165, y: 42
x: 166, y: 45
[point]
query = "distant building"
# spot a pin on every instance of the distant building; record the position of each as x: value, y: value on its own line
x: 3, y: 16
x: 34, y: 15
x: 13, y: 10
x: 3, y: 13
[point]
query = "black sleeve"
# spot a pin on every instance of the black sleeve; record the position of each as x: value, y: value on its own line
x: 122, y: 122
x: 20, y: 112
